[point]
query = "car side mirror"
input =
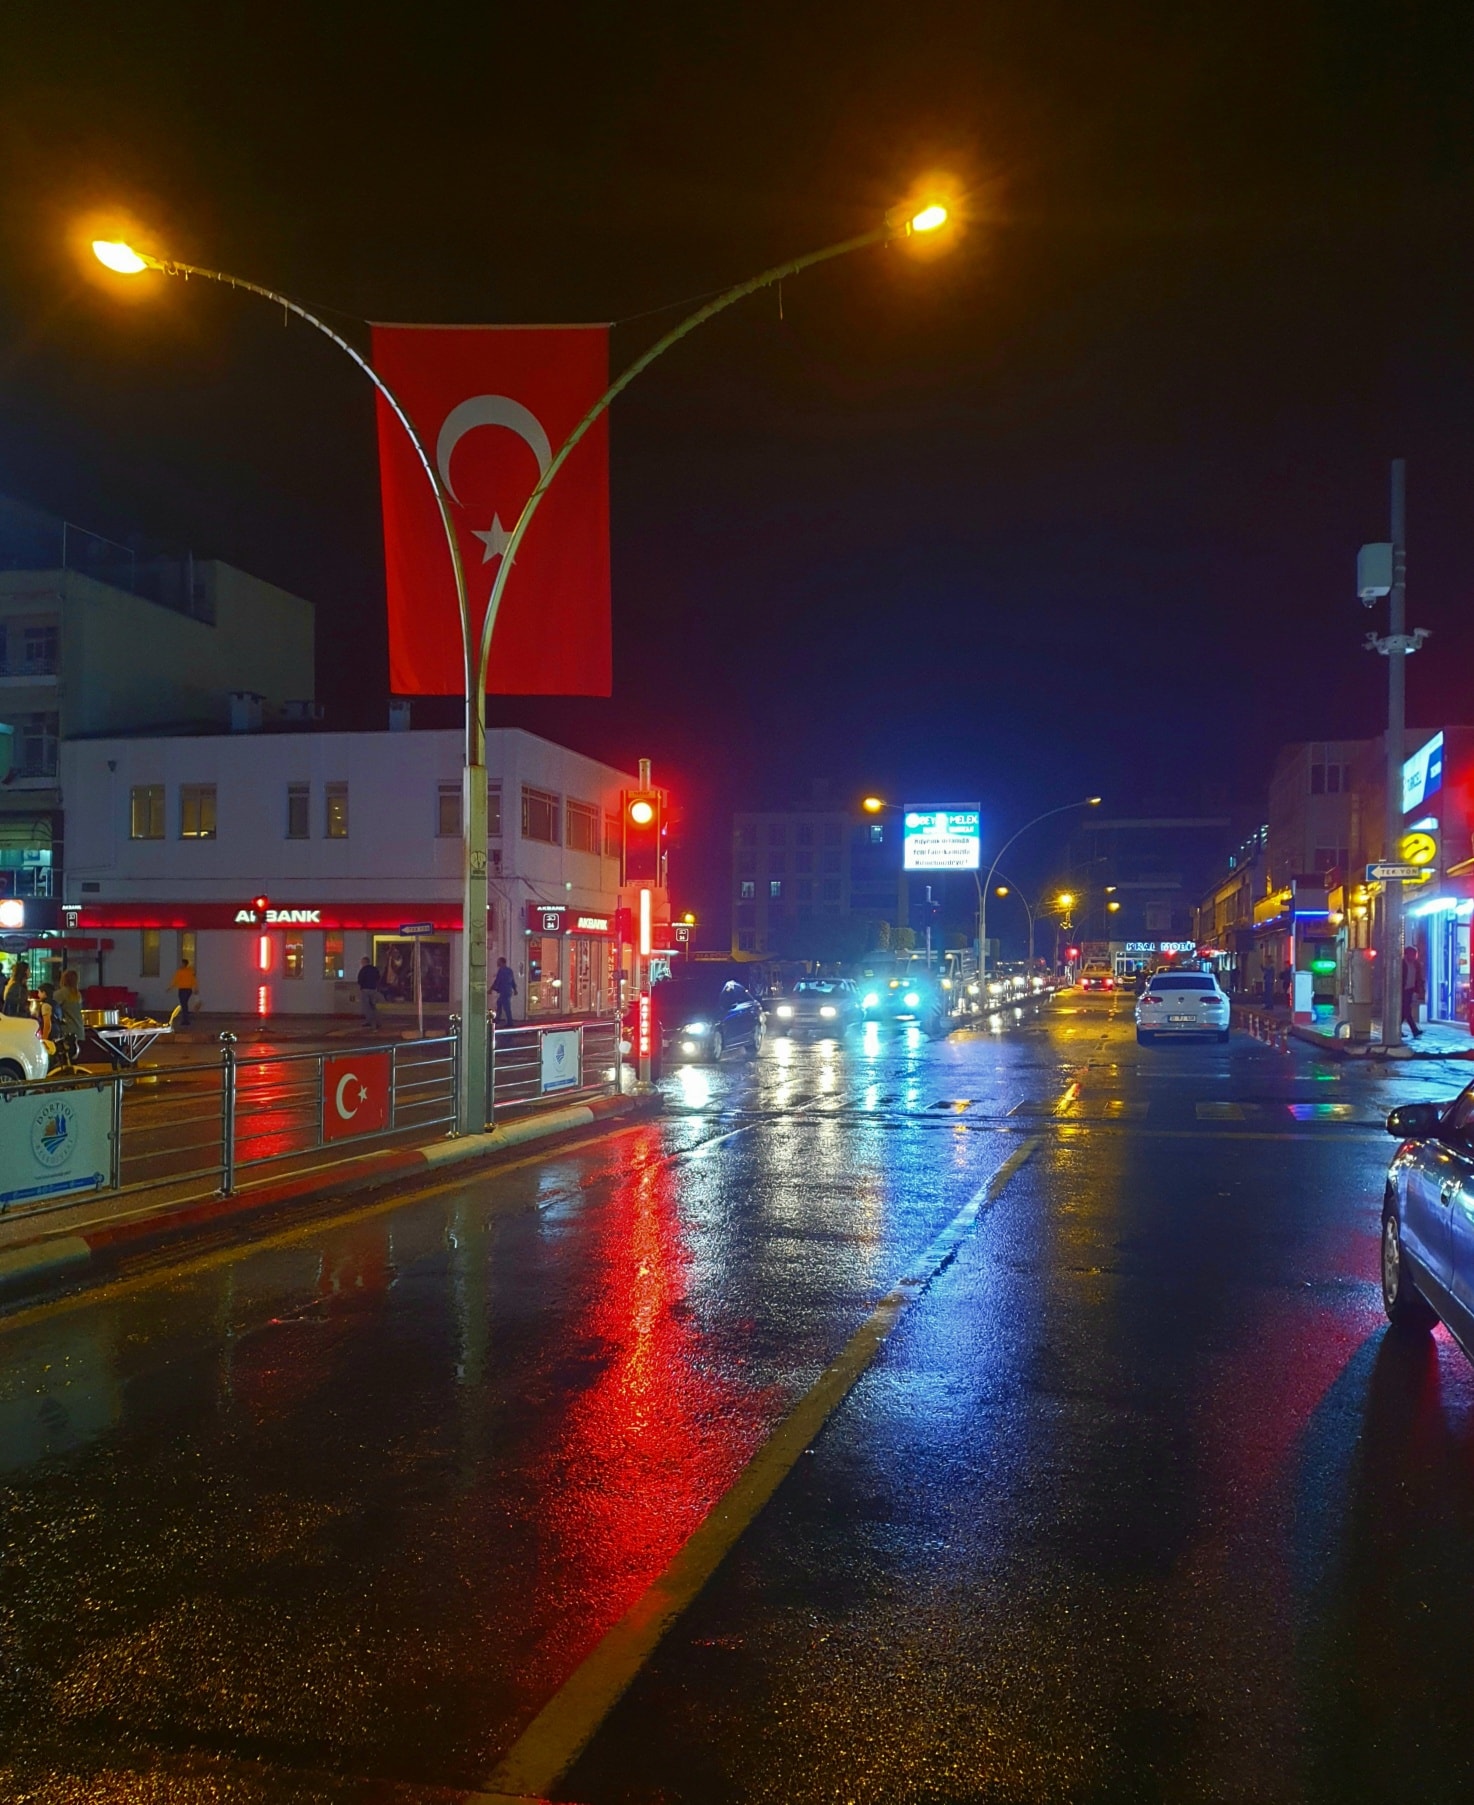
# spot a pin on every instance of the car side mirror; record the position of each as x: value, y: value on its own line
x: 1415, y: 1121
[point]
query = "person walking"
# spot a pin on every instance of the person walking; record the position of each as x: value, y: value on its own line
x: 17, y: 997
x: 504, y: 988
x: 1413, y: 988
x: 1268, y: 981
x: 1287, y: 984
x: 368, y: 993
x: 184, y: 984
x: 66, y: 1020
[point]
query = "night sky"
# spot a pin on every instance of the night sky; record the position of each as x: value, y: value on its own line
x: 1073, y: 508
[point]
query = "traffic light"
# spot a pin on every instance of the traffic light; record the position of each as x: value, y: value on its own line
x: 644, y: 830
x: 1072, y: 953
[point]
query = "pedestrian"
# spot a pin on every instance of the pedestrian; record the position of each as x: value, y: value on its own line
x: 368, y: 993
x: 1268, y: 979
x: 184, y: 984
x: 504, y: 988
x: 44, y: 1011
x: 70, y: 1029
x: 1413, y: 989
x: 1287, y: 984
x: 17, y: 997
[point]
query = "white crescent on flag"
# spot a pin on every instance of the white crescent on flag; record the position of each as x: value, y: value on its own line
x: 343, y: 1083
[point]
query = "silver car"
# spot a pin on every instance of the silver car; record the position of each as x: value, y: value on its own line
x: 1181, y: 1002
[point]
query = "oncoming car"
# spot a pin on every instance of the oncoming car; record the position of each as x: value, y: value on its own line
x: 902, y: 991
x: 704, y: 1017
x: 1181, y: 1002
x: 1428, y: 1218
x: 818, y: 1006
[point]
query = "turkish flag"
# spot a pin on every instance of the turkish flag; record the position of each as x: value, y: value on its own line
x: 492, y: 406
x: 355, y: 1095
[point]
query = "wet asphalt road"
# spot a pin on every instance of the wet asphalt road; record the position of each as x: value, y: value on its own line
x: 1138, y: 1499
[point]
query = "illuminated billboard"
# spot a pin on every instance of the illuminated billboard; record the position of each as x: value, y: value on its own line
x: 1422, y: 774
x: 941, y: 839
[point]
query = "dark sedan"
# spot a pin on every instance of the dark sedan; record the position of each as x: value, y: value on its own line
x: 704, y: 1017
x: 1428, y: 1218
x: 823, y: 1006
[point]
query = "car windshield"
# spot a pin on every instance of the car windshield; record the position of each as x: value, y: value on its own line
x: 815, y: 987
x: 1183, y: 982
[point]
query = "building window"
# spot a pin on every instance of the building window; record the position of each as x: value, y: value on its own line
x: 803, y: 834
x: 877, y: 834
x: 294, y: 959
x: 777, y: 863
x: 775, y: 887
x: 582, y: 826
x: 613, y: 835
x: 34, y: 745
x: 146, y: 811
x: 148, y: 953
x: 747, y: 862
x: 777, y: 833
x: 747, y: 889
x: 540, y: 816
x: 187, y: 946
x: 493, y: 811
x: 38, y: 651
x: 747, y: 834
x: 197, y: 811
x: 332, y: 957
x: 335, y: 811
x: 805, y: 889
x: 746, y: 941
x: 448, y: 811
x: 299, y: 811
x: 747, y: 915
x: 803, y: 861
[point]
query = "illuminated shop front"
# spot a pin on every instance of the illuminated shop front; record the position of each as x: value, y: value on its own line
x: 571, y: 960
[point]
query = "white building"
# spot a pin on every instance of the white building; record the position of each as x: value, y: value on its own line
x: 274, y: 861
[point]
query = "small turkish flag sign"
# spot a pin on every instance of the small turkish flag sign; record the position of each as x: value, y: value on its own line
x: 355, y: 1095
x: 492, y: 405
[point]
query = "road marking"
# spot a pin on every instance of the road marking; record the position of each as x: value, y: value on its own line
x: 551, y: 1743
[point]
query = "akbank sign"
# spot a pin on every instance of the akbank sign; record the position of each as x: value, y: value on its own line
x: 278, y: 918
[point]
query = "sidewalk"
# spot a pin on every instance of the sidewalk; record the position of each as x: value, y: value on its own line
x: 1438, y: 1040
x: 200, y: 1042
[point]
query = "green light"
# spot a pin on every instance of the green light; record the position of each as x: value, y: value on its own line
x: 1322, y: 964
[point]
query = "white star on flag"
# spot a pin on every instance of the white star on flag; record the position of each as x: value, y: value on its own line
x: 363, y: 1093
x: 494, y: 539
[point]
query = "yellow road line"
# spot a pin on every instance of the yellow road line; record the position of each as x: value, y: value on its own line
x: 553, y: 1740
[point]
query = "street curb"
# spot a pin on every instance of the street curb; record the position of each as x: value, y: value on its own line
x: 86, y: 1258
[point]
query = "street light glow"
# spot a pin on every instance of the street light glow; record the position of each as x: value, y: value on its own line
x: 872, y: 805
x: 121, y: 258
x: 1001, y: 890
x: 1093, y: 801
x: 929, y: 218
x: 1065, y: 899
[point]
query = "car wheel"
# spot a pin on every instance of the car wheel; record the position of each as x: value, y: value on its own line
x: 11, y: 1073
x: 1223, y: 1037
x: 1405, y: 1305
x: 718, y: 1046
x: 1143, y: 1037
x: 757, y: 1039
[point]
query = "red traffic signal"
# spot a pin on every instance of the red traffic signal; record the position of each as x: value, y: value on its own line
x: 643, y: 833
x: 260, y: 904
x: 1072, y: 953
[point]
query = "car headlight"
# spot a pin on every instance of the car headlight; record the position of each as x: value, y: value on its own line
x: 995, y: 989
x: 785, y: 1012
x: 689, y: 1046
x: 828, y: 1011
x: 697, y: 1028
x: 972, y: 990
x: 872, y: 1000
x: 911, y: 999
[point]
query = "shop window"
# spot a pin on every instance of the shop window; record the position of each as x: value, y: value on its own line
x: 294, y: 957
x: 544, y: 974
x: 448, y: 811
x: 540, y: 816
x: 747, y: 889
x: 335, y: 811
x: 493, y: 811
x: 333, y: 963
x: 395, y: 958
x: 148, y: 953
x: 187, y: 946
x: 299, y: 811
x: 197, y: 811
x: 582, y: 832
x: 146, y: 811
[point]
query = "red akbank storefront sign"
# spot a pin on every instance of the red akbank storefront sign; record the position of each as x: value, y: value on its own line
x: 382, y: 918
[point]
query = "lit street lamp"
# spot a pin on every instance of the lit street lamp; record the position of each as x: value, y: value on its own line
x: 125, y: 260
x: 1063, y: 809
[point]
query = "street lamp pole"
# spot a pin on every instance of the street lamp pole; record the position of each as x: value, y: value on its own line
x: 472, y: 1099
x: 1063, y: 809
x: 1014, y: 890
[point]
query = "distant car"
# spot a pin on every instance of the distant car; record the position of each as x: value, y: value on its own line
x: 1181, y: 1002
x: 24, y: 1056
x: 703, y: 1017
x: 1428, y: 1218
x: 817, y: 1006
x: 903, y: 991
x: 1097, y: 977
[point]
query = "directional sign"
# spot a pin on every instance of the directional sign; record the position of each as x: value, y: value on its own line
x: 410, y: 930
x: 1389, y: 873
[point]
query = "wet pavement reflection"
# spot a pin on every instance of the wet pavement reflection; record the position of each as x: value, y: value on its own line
x: 1139, y: 1500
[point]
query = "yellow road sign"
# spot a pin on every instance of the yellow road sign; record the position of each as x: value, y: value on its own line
x: 1417, y: 848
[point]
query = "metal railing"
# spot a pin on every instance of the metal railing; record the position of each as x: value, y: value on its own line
x: 184, y: 1128
x: 556, y: 1061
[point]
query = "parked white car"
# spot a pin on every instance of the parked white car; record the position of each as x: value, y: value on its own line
x: 1181, y: 1002
x: 24, y: 1056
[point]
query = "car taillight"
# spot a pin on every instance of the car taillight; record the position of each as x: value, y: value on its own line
x: 1149, y: 999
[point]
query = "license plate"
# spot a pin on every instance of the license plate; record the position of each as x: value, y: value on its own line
x: 1182, y: 1018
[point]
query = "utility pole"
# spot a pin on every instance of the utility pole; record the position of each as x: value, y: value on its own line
x: 1382, y: 570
